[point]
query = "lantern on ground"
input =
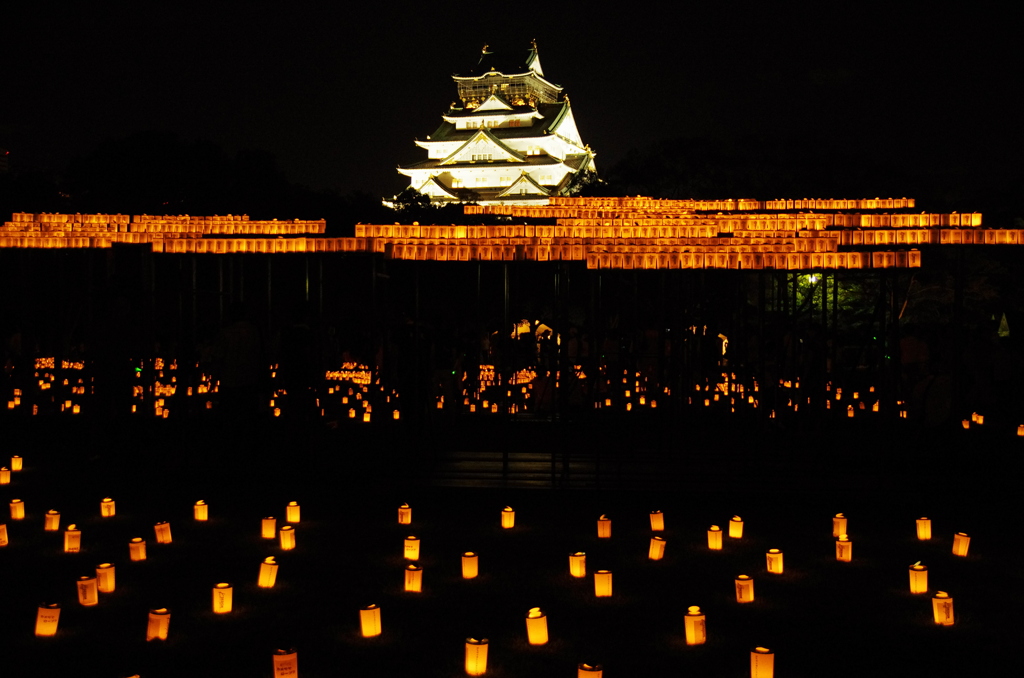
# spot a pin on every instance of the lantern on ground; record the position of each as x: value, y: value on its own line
x: 414, y: 578
x: 17, y: 509
x: 72, y: 539
x: 287, y: 538
x: 657, y: 521
x: 695, y: 625
x: 201, y: 510
x: 107, y: 507
x: 268, y: 573
x: 88, y: 593
x: 589, y: 671
x: 942, y: 608
x: 578, y: 564
x: 476, y: 656
x: 163, y: 532
x: 961, y: 542
x: 604, y: 527
x: 15, y: 463
x: 137, y: 548
x: 404, y: 514
x: 762, y: 663
x: 159, y: 622
x: 3, y: 535
x: 223, y: 595
x: 715, y: 538
x: 924, y: 529
x: 603, y: 583
x: 508, y: 517
x: 47, y: 617
x: 105, y: 577
x: 736, y: 528
x: 470, y: 565
x: 51, y: 522
x: 656, y: 551
x: 839, y: 525
x: 269, y: 528
x: 536, y: 627
x: 369, y: 621
x: 286, y: 664
x: 844, y: 549
x: 5, y: 475
x: 292, y: 512
x: 774, y: 561
x: 412, y: 548
x: 918, y: 578
x: 744, y: 589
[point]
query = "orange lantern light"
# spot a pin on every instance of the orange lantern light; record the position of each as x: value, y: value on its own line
x: 839, y: 525
x: 715, y: 538
x: 942, y: 608
x: 744, y: 589
x: 844, y: 549
x: 762, y: 663
x: 695, y: 626
x: 657, y: 521
x: 961, y: 542
x: 924, y: 529
x: 603, y: 584
x: 286, y: 664
x: 268, y: 573
x: 404, y: 514
x: 774, y: 557
x: 105, y: 579
x: 918, y: 578
x: 414, y: 578
x: 536, y: 627
x: 223, y: 595
x: 736, y: 528
x: 51, y: 522
x: 269, y: 528
x: 17, y: 509
x: 47, y: 617
x: 656, y: 551
x: 412, y: 548
x: 369, y: 621
x: 201, y: 510
x: 16, y: 463
x: 88, y: 594
x: 287, y: 538
x: 163, y: 532
x: 470, y: 565
x: 604, y: 527
x: 3, y: 535
x: 159, y: 623
x: 107, y: 507
x: 589, y: 671
x: 476, y: 656
x: 5, y: 475
x: 72, y: 539
x: 578, y: 564
x: 292, y: 512
x: 508, y: 517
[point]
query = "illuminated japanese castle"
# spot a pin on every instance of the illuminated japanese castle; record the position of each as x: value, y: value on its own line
x: 512, y: 140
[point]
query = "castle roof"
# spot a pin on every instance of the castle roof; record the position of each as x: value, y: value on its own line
x: 551, y: 116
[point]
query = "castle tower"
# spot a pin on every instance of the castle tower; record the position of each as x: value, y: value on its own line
x: 510, y: 139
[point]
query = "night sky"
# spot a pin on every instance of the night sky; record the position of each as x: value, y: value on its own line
x: 338, y: 93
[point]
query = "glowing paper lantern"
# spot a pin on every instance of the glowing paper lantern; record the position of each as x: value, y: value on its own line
x: 924, y: 529
x: 269, y: 528
x: 961, y: 542
x: 476, y: 656
x: 918, y: 578
x: 286, y: 664
x: 839, y: 525
x: 16, y: 463
x: 137, y: 548
x: 292, y: 512
x: 159, y: 622
x: 603, y: 583
x: 412, y: 548
x: 51, y: 522
x: 536, y: 627
x: 163, y: 532
x: 508, y: 517
x: 88, y: 593
x: 695, y: 625
x: 942, y: 608
x: 578, y: 564
x: 17, y: 509
x: 414, y: 578
x: 736, y: 528
x: 5, y: 475
x: 470, y: 565
x: 657, y: 521
x: 774, y: 561
x: 287, y: 535
x: 3, y: 535
x: 604, y: 527
x: 201, y: 510
x: 72, y: 539
x: 762, y: 663
x: 656, y: 551
x: 47, y: 617
x: 404, y: 514
x: 369, y: 621
x: 589, y: 671
x: 844, y: 549
x: 105, y: 580
x: 268, y: 573
x: 715, y: 538
x: 223, y: 596
x: 107, y: 507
